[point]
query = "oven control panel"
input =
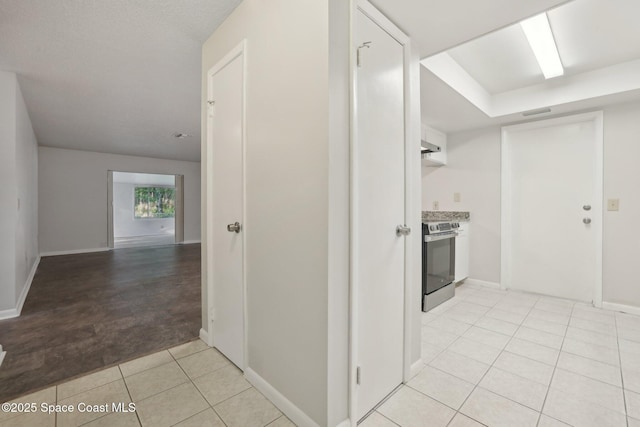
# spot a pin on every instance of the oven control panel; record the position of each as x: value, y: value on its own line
x: 441, y: 227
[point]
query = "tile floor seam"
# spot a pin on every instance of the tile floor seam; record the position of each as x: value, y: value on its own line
x: 203, y: 396
x: 553, y: 374
x: 385, y: 417
x: 624, y: 394
x: 190, y: 354
x: 129, y: 393
x: 144, y: 370
x: 89, y: 389
x: 490, y: 366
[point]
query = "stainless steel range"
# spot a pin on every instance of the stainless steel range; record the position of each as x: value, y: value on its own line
x: 438, y: 262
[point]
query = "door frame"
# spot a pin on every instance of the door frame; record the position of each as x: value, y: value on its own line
x: 178, y: 220
x: 505, y: 222
x: 239, y: 50
x: 376, y: 16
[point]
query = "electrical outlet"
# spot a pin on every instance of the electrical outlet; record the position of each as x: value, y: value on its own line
x: 613, y: 204
x: 456, y: 197
x: 436, y: 205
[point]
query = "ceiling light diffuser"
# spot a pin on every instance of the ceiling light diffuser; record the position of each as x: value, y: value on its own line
x: 538, y: 33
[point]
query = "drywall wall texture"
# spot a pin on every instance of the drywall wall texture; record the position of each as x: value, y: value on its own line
x: 73, y: 195
x: 19, y: 218
x: 124, y: 222
x: 26, y: 232
x: 7, y: 190
x: 621, y: 247
x: 473, y: 170
x: 288, y: 199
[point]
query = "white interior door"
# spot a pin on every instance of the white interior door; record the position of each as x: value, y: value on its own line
x: 553, y: 195
x: 225, y: 137
x: 379, y: 184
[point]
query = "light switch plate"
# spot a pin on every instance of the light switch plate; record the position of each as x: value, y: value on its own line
x: 613, y: 204
x: 436, y: 205
x: 456, y: 197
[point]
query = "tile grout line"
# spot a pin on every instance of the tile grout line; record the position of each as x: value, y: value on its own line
x: 129, y: 393
x: 490, y: 366
x: 553, y: 374
x: 624, y: 394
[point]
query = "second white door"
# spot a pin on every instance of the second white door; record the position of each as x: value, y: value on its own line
x: 552, y: 201
x: 226, y: 235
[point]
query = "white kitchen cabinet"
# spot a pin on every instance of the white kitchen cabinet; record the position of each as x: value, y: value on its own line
x: 438, y: 138
x: 462, y: 252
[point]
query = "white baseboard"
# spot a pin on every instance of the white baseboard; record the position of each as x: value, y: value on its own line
x: 345, y: 423
x: 15, y: 312
x: 481, y: 283
x: 73, y: 252
x: 189, y: 242
x: 621, y: 307
x: 204, y: 336
x: 416, y: 368
x: 294, y: 413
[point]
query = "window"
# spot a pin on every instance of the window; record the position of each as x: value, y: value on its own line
x: 154, y: 202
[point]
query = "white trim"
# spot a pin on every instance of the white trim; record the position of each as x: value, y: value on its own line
x: 15, y: 312
x: 469, y: 281
x: 630, y: 309
x: 9, y: 313
x: 2, y: 355
x: 189, y: 242
x: 375, y: 15
x: 73, y: 252
x: 416, y: 368
x: 345, y: 423
x: 110, y: 233
x: 204, y: 336
x: 294, y: 413
x: 27, y: 285
x: 598, y: 205
x: 240, y: 49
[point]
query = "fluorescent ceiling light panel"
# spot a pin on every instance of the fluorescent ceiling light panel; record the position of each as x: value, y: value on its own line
x: 538, y: 33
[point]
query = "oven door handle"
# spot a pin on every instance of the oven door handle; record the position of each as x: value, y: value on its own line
x: 436, y: 237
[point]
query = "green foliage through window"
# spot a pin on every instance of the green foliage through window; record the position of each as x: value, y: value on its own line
x: 155, y: 202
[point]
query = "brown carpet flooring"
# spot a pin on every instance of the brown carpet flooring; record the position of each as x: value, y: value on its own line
x: 89, y: 311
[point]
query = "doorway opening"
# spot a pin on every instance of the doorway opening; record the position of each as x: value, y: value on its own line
x: 144, y: 209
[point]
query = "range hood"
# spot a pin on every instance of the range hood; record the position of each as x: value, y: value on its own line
x: 428, y: 147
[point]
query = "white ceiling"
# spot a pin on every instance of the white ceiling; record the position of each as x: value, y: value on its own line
x: 121, y: 76
x: 599, y: 44
x: 437, y: 25
x: 116, y: 76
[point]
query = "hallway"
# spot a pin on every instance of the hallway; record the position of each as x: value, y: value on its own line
x: 89, y: 311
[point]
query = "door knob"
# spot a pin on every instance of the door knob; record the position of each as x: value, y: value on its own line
x: 233, y: 228
x: 587, y: 207
x: 403, y: 230
x: 586, y: 220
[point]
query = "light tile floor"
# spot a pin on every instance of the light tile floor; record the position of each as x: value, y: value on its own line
x: 510, y: 359
x: 491, y: 358
x: 189, y: 385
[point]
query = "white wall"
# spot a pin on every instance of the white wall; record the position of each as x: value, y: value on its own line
x: 124, y: 222
x: 621, y: 179
x: 73, y: 195
x: 474, y: 171
x: 289, y: 198
x: 26, y: 233
x: 7, y: 190
x: 19, y: 195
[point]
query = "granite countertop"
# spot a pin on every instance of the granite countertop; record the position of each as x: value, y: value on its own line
x: 445, y: 216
